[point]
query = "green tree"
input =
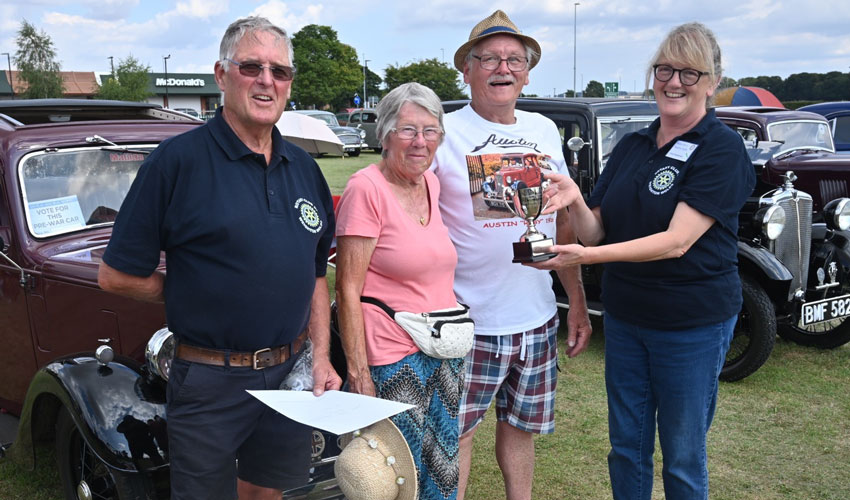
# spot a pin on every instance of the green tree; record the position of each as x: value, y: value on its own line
x: 594, y: 89
x: 443, y: 79
x: 37, y: 65
x: 327, y: 68
x: 130, y: 82
x: 774, y: 84
x: 726, y: 82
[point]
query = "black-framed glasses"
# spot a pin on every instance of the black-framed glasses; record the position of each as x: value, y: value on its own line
x: 430, y: 134
x: 490, y: 62
x: 252, y: 70
x: 688, y: 76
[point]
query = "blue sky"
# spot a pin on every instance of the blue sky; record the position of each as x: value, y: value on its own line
x: 615, y: 38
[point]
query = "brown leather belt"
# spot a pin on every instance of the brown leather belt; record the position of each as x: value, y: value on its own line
x: 263, y: 358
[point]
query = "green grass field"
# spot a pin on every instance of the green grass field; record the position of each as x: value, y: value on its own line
x: 781, y: 434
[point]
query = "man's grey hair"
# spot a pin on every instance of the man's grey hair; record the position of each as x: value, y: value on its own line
x: 250, y: 26
x: 530, y: 53
x: 390, y: 106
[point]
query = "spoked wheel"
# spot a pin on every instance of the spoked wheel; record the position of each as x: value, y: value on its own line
x: 84, y: 476
x: 826, y: 335
x: 755, y: 333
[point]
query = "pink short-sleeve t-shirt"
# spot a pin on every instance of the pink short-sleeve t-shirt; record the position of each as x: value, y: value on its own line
x: 412, y: 267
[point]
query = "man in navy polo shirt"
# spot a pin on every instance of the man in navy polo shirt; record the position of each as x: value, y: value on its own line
x: 246, y: 221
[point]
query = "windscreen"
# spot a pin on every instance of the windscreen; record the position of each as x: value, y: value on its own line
x: 72, y: 189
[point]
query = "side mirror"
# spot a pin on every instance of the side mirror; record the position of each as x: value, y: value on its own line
x: 575, y: 143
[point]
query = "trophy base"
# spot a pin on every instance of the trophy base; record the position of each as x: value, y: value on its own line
x: 529, y: 251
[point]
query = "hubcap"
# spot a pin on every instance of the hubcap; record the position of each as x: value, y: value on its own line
x: 83, y: 491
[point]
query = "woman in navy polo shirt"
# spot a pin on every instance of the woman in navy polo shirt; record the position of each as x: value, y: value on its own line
x: 664, y: 219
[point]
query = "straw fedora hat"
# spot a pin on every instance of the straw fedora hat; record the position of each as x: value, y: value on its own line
x: 497, y: 23
x: 376, y: 464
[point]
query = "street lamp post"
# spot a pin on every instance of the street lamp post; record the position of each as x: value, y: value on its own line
x: 575, y: 25
x: 365, y: 71
x: 9, y: 61
x: 165, y: 62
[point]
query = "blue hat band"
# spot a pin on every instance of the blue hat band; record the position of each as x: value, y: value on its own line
x: 496, y: 29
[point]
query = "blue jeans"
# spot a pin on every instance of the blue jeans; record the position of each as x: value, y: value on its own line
x: 668, y: 377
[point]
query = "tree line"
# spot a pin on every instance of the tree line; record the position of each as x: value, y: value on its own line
x: 329, y: 74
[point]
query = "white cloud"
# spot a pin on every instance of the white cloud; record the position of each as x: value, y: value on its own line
x: 280, y: 14
x: 202, y: 9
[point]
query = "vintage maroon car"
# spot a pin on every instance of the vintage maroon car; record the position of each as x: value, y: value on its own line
x: 801, y: 274
x: 81, y: 366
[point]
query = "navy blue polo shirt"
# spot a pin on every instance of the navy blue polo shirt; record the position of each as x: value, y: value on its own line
x: 244, y: 241
x: 638, y: 192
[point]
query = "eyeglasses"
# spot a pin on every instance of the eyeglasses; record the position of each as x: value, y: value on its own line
x: 688, y: 76
x: 491, y: 62
x: 252, y: 70
x: 430, y: 134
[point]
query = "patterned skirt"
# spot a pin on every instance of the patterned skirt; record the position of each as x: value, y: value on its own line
x: 434, y: 386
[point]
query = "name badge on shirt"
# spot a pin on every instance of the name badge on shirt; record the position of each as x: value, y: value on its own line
x: 682, y: 150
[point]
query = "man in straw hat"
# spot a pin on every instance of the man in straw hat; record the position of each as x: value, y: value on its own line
x: 514, y: 360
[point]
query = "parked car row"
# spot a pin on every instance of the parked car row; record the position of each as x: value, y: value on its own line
x: 353, y: 140
x: 366, y: 120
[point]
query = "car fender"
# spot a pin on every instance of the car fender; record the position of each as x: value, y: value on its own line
x: 827, y: 242
x: 100, y: 398
x: 766, y: 269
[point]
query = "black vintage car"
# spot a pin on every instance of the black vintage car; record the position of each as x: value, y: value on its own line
x: 79, y: 366
x: 790, y: 260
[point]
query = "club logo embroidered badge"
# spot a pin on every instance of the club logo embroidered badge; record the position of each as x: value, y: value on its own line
x: 308, y: 215
x: 663, y: 180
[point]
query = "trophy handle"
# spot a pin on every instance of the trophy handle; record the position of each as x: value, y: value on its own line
x: 508, y: 193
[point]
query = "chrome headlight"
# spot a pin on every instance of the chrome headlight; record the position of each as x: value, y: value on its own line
x: 362, y: 134
x: 160, y: 351
x: 837, y: 214
x: 771, y: 220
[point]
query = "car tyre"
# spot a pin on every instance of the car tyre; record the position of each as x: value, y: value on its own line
x: 755, y: 333
x: 355, y: 153
x: 83, y: 474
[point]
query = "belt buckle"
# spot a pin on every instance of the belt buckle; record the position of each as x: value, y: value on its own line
x: 267, y: 349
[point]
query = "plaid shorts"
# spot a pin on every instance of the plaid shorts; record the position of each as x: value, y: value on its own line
x: 520, y: 370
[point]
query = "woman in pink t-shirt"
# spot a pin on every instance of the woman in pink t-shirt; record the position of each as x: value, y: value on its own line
x: 392, y: 245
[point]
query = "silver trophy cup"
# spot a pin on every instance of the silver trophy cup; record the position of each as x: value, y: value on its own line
x: 527, y: 203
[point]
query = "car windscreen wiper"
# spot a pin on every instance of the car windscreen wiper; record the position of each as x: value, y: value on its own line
x: 96, y: 139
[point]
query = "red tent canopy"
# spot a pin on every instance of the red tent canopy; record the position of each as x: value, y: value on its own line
x: 747, y: 96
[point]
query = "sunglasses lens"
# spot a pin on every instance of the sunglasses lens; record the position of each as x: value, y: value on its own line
x: 250, y: 69
x: 282, y: 74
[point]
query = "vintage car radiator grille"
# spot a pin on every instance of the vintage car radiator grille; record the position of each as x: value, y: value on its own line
x: 793, y: 245
x: 349, y: 139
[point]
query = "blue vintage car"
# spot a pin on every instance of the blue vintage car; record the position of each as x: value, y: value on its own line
x: 838, y: 114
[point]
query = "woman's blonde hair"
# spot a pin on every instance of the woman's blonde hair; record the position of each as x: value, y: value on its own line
x: 694, y: 46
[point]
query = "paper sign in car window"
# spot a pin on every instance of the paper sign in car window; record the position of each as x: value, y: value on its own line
x: 56, y: 215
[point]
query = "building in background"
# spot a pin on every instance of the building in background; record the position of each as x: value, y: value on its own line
x: 76, y: 84
x: 182, y: 91
x: 197, y: 91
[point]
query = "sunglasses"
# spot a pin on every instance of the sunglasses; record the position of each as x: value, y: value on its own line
x: 253, y: 70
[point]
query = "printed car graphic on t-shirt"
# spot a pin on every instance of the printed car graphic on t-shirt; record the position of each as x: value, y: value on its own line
x: 494, y: 177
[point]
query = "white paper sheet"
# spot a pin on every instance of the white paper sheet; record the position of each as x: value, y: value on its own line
x: 334, y: 411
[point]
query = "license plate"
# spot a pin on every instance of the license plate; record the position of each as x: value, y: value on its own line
x: 825, y: 310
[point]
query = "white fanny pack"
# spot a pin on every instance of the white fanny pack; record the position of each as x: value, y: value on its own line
x: 442, y: 334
